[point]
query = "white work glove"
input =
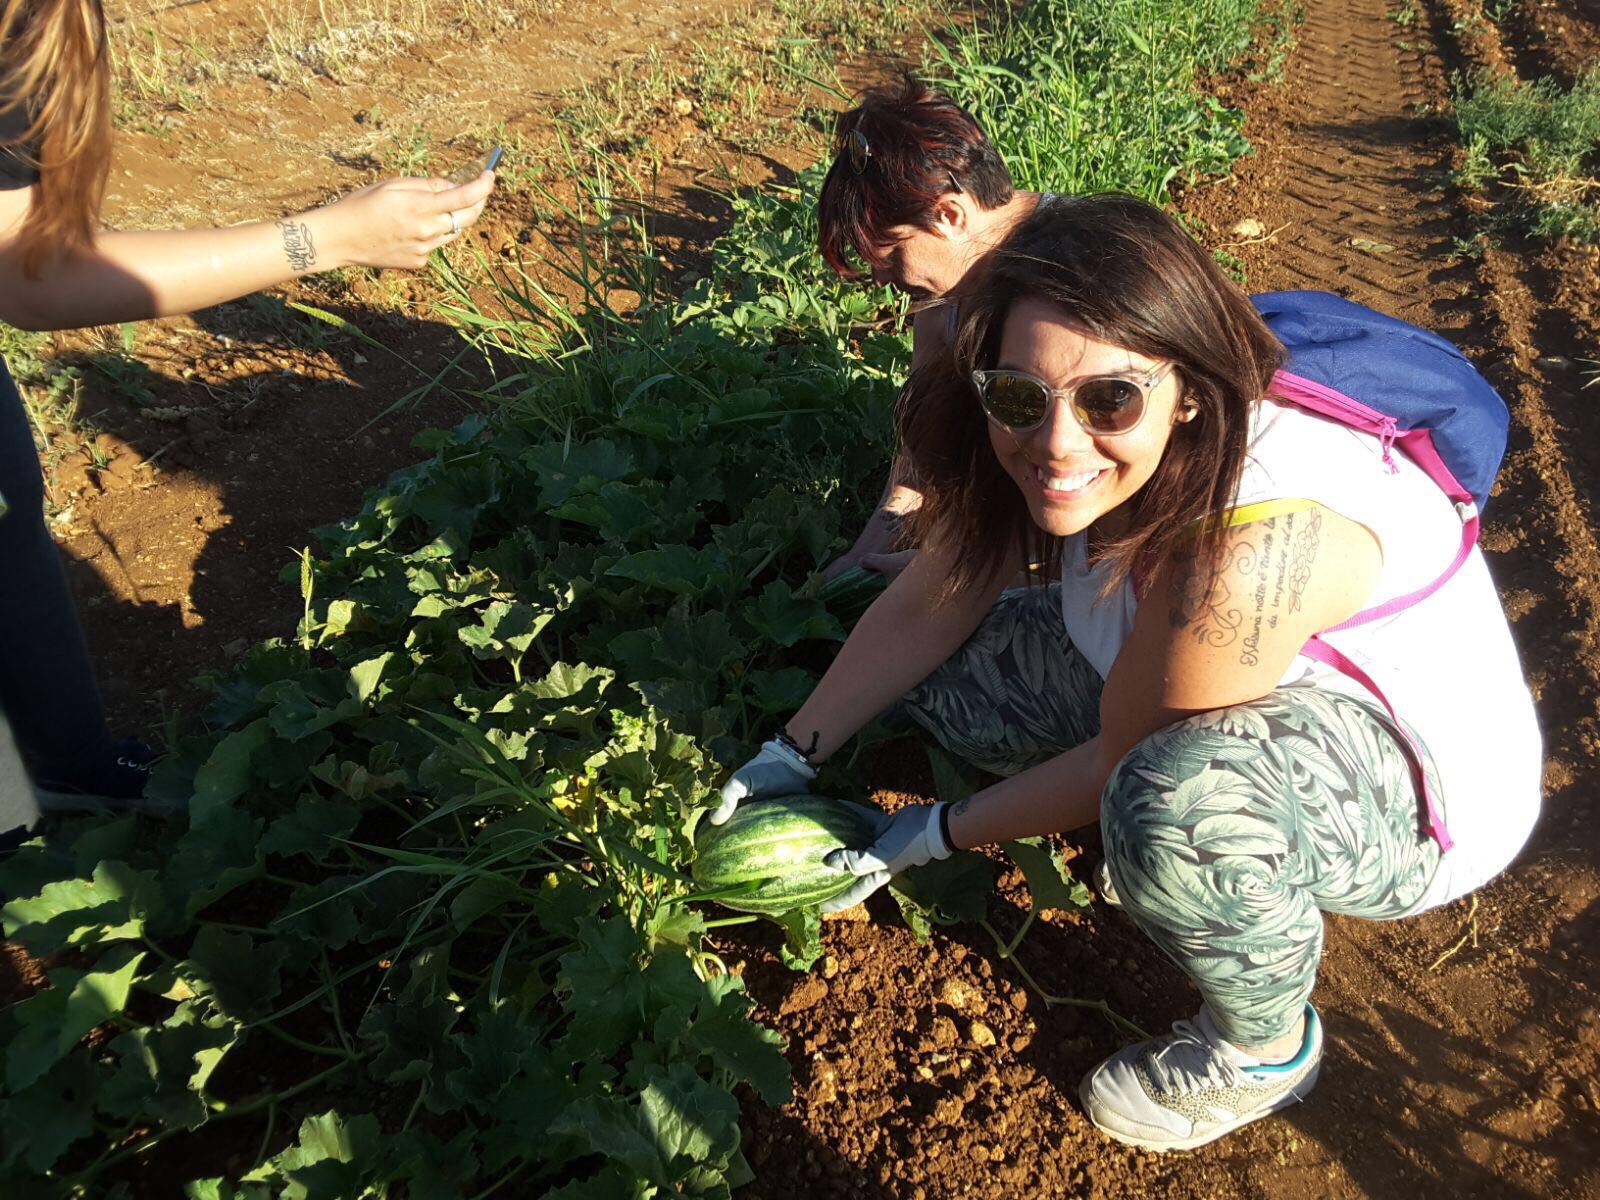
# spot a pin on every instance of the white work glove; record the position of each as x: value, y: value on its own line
x: 908, y: 838
x: 777, y: 770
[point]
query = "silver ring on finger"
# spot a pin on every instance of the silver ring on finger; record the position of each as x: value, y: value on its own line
x: 455, y: 226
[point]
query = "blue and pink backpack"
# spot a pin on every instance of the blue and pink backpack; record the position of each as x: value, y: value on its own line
x: 1415, y: 392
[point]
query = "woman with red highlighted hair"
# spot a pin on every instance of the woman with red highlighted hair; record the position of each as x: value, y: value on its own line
x: 916, y: 198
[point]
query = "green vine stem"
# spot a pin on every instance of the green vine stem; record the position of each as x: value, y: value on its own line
x: 1116, y: 1019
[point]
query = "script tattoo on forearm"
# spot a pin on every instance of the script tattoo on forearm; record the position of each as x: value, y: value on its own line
x: 298, y: 246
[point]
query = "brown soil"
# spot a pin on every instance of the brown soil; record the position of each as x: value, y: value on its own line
x: 1463, y: 1045
x: 255, y: 434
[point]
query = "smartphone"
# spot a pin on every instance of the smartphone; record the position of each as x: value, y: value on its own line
x: 468, y: 174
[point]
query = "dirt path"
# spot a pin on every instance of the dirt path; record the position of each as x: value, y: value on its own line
x: 1462, y: 1044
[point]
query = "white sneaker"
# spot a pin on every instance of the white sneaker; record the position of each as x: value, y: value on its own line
x: 1193, y: 1086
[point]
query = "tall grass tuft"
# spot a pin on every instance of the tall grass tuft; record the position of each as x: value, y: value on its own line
x: 1542, y: 143
x: 1097, y: 95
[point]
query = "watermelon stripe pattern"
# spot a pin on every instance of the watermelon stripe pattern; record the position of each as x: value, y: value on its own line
x: 775, y: 846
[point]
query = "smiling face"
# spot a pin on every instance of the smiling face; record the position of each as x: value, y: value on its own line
x: 1070, y: 479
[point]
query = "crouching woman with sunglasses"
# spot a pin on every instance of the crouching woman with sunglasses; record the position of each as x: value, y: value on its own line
x: 1109, y: 412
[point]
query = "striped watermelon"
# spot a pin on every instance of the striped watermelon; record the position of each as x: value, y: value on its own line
x: 778, y: 843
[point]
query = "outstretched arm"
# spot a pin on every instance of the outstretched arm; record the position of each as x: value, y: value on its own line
x: 131, y: 276
x: 906, y: 633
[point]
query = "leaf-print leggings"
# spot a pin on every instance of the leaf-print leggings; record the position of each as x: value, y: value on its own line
x: 1228, y: 834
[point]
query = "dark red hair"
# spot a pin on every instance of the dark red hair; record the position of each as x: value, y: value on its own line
x: 923, y: 146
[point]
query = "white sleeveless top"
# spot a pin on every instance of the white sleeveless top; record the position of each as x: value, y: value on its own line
x: 1447, y: 665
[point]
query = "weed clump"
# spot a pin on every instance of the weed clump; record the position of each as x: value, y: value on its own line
x: 1540, y: 143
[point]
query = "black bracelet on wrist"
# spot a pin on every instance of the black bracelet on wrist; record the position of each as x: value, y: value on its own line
x: 783, y: 739
x: 944, y: 826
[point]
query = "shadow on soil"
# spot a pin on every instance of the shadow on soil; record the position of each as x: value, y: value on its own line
x: 289, y: 434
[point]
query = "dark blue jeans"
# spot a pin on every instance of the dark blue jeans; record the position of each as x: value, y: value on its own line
x: 48, y: 692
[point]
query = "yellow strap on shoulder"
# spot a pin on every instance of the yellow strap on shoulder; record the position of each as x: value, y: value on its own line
x: 1247, y: 514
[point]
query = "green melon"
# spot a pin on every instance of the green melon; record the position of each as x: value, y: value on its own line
x: 777, y: 845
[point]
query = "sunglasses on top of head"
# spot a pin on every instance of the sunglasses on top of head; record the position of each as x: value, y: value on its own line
x: 1103, y: 406
x: 854, y: 146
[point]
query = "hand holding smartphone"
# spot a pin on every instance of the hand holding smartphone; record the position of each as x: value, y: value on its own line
x: 468, y: 174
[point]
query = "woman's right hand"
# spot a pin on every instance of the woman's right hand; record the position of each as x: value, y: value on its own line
x: 776, y: 770
x: 398, y: 222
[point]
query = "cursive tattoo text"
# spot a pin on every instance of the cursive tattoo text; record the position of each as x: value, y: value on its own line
x: 1265, y: 570
x: 298, y: 246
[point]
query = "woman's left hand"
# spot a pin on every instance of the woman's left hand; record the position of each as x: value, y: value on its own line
x: 399, y: 222
x: 909, y: 837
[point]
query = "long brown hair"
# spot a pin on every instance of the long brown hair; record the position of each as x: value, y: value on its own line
x: 55, y: 68
x: 1123, y: 271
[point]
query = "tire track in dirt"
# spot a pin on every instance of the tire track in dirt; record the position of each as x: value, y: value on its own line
x: 1448, y: 1081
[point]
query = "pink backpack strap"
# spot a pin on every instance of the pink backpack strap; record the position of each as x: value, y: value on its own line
x: 1432, y: 821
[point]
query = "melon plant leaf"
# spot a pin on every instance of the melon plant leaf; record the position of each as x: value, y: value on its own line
x: 611, y: 997
x: 784, y: 618
x: 227, y: 773
x: 162, y: 1070
x: 312, y: 828
x: 366, y: 676
x: 83, y: 912
x: 1050, y: 881
x: 242, y: 974
x: 212, y: 859
x: 802, y: 941
x: 682, y: 570
x: 723, y: 1029
x: 610, y: 1183
x: 954, y: 889
x: 43, y: 1120
x: 561, y: 468
x: 780, y: 691
x: 55, y: 1020
x: 505, y: 630
x: 679, y: 1122
x: 325, y: 1161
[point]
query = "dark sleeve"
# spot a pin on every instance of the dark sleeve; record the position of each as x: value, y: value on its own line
x: 14, y: 172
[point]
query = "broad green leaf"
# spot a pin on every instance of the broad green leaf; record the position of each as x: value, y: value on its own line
x: 614, y: 993
x: 723, y: 1029
x: 366, y: 676
x: 227, y: 773
x: 162, y: 1070
x: 682, y: 570
x: 312, y: 828
x: 83, y: 912
x: 953, y: 889
x: 802, y: 940
x: 780, y: 691
x: 42, y: 1121
x: 56, y: 1019
x: 1050, y: 881
x: 505, y: 630
x: 680, y: 1121
x: 242, y: 973
x: 784, y: 618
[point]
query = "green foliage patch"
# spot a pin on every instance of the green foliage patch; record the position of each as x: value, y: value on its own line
x: 1540, y: 143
